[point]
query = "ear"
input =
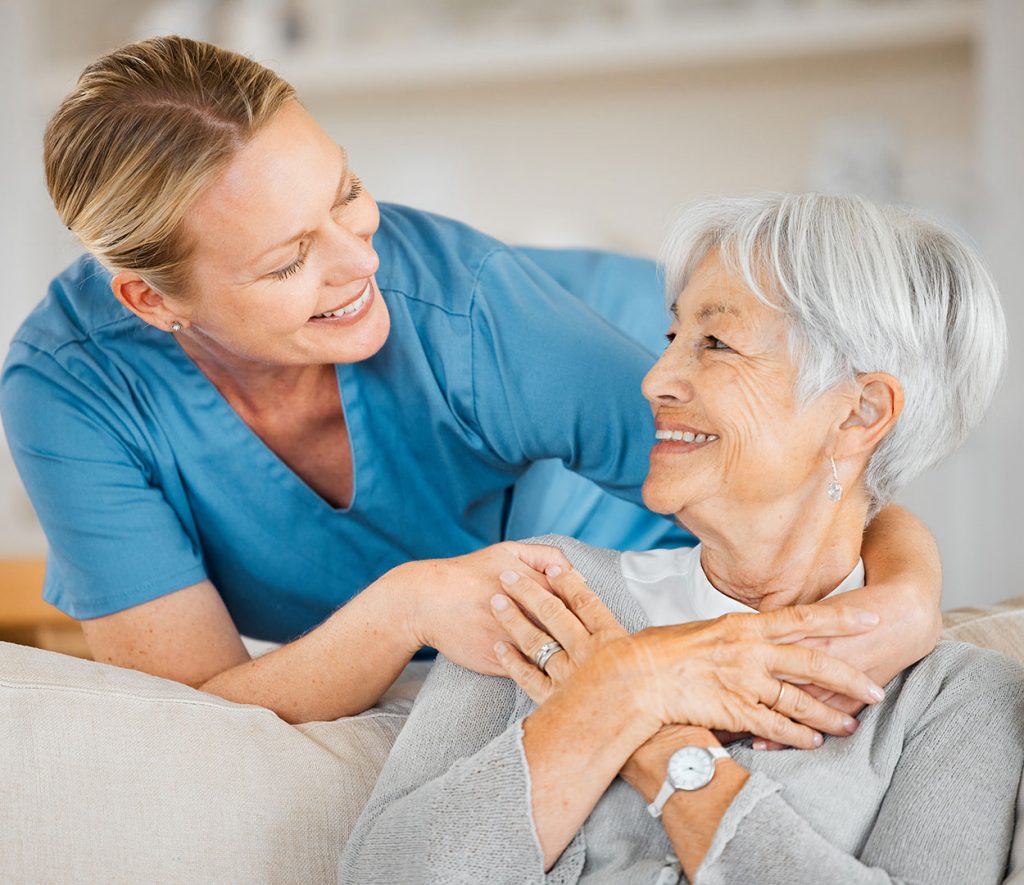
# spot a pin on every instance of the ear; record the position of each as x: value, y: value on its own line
x: 146, y: 303
x: 878, y: 402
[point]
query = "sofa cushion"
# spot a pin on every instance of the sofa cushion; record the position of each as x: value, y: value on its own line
x: 999, y: 627
x: 114, y: 776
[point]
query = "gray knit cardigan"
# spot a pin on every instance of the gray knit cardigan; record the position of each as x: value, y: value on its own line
x: 924, y: 792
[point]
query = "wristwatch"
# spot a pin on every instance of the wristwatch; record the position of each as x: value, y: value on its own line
x: 689, y: 768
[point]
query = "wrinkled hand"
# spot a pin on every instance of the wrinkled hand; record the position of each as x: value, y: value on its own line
x: 724, y: 674
x: 444, y: 602
x: 574, y: 615
x: 910, y: 626
x: 844, y: 704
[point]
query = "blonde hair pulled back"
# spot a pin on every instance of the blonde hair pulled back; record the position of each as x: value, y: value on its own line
x: 146, y: 129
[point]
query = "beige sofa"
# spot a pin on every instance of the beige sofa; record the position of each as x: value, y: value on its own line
x: 111, y: 776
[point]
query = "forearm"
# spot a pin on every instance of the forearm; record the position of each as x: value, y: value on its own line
x: 904, y: 584
x: 575, y: 744
x: 691, y: 819
x: 341, y: 668
x: 899, y: 552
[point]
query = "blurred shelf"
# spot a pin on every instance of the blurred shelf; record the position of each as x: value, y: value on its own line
x: 709, y: 40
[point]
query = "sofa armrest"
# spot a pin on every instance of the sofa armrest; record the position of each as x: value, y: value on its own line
x: 110, y: 775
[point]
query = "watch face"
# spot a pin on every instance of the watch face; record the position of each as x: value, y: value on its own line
x: 691, y: 768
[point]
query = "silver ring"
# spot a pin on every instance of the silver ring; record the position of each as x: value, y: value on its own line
x: 545, y: 652
x: 778, y: 700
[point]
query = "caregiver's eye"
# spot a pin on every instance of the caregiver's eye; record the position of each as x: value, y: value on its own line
x: 714, y: 343
x: 354, y: 191
x: 292, y: 268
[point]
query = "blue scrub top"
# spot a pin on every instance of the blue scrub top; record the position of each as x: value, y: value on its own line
x: 146, y: 481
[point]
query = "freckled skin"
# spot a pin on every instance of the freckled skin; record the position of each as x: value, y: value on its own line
x: 770, y: 451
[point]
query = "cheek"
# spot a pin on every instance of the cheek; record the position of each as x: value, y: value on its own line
x: 284, y: 305
x: 258, y: 318
x: 759, y: 429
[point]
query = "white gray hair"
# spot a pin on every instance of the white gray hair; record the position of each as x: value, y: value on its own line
x: 864, y: 288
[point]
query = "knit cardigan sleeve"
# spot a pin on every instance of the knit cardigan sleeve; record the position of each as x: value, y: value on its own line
x: 947, y: 815
x: 453, y: 801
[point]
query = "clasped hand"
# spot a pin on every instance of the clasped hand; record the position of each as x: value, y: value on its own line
x: 443, y: 602
x: 726, y: 674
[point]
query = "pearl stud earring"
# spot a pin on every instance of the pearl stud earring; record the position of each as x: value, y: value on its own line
x: 175, y: 326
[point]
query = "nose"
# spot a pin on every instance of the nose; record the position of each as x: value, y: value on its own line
x: 352, y: 256
x: 667, y: 383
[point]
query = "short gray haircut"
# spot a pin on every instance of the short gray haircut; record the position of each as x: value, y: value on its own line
x: 864, y: 288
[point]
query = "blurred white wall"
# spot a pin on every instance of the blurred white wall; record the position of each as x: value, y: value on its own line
x: 601, y: 157
x: 605, y: 159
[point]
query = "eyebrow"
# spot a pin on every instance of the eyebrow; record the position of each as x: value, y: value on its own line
x: 305, y: 233
x: 711, y: 309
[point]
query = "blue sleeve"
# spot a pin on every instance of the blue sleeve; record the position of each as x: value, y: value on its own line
x: 627, y: 291
x: 114, y: 540
x: 552, y: 379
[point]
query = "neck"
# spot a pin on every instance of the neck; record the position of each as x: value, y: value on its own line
x: 787, y: 553
x: 250, y: 386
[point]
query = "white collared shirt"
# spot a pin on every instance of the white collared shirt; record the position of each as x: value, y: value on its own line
x: 671, y: 586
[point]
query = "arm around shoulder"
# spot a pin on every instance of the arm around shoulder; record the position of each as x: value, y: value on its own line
x: 904, y: 585
x: 899, y: 551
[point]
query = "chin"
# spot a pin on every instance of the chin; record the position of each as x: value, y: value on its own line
x: 658, y: 499
x: 368, y: 337
x: 670, y: 497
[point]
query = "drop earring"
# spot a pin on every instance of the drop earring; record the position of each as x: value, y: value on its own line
x: 834, y: 490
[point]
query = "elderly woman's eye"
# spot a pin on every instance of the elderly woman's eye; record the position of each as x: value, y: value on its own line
x: 716, y: 344
x: 670, y: 337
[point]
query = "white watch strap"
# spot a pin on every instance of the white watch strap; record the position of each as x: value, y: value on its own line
x: 668, y: 788
x: 654, y: 809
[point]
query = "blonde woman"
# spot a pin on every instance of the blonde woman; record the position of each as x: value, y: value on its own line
x: 260, y: 393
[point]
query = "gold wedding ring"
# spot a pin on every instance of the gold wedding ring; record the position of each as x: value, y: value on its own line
x: 778, y: 700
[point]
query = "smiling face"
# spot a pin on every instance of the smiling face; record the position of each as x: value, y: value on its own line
x: 727, y: 378
x: 284, y: 236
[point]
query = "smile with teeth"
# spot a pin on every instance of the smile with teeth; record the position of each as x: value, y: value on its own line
x: 684, y: 436
x: 358, y: 304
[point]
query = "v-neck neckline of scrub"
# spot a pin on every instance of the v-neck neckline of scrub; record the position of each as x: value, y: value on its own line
x: 351, y: 409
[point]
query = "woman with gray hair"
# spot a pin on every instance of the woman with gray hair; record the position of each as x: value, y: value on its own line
x: 822, y: 352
